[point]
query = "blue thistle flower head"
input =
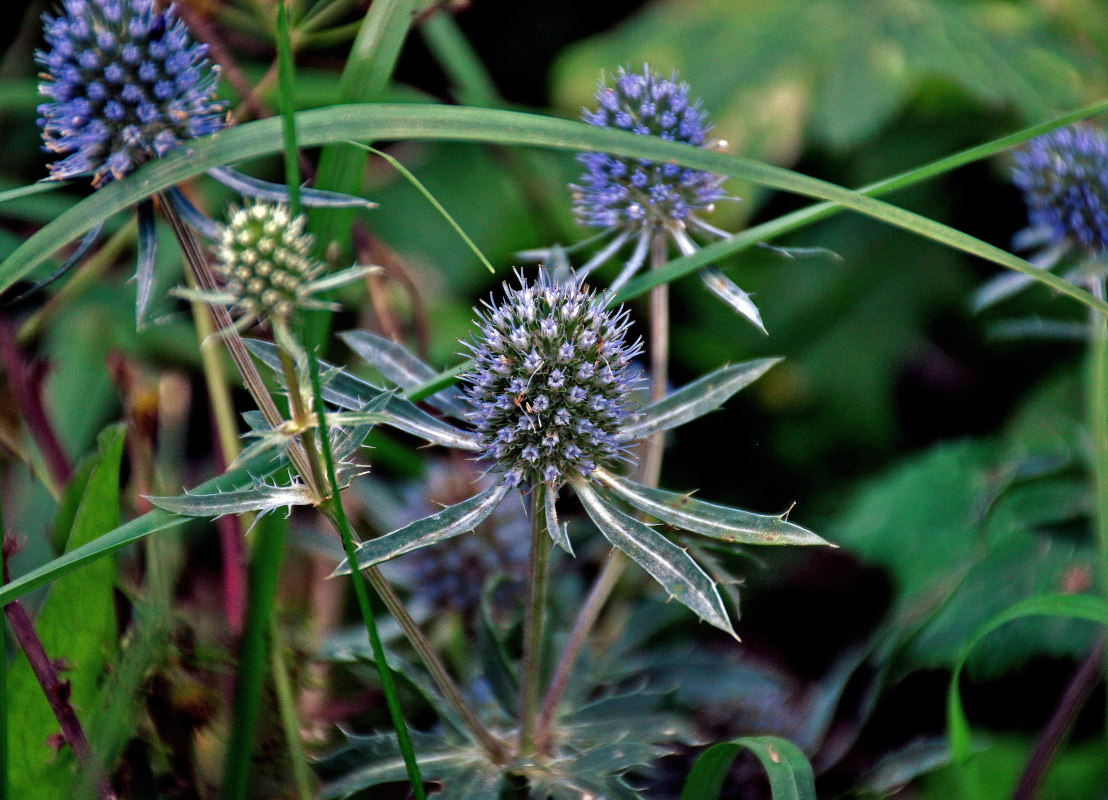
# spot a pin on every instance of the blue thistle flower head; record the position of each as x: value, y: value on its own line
x: 551, y: 384
x: 1064, y: 178
x: 632, y: 194
x: 126, y: 83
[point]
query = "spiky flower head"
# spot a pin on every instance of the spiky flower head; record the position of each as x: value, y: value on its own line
x: 265, y: 260
x: 626, y: 193
x: 126, y: 84
x: 550, y: 384
x: 1064, y: 178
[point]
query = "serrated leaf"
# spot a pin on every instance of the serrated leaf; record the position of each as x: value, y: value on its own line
x: 557, y: 532
x: 348, y: 392
x: 719, y: 522
x: 402, y: 367
x: 790, y: 774
x: 695, y: 399
x: 85, y: 647
x: 451, y: 521
x: 376, y: 759
x: 671, y: 566
x: 260, y: 497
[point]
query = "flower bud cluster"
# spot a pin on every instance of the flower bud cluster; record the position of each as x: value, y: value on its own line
x: 1064, y: 178
x: 265, y: 260
x: 617, y: 192
x: 126, y: 83
x: 551, y: 384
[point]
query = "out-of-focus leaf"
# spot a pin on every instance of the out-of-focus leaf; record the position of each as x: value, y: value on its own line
x: 86, y: 647
x: 1077, y: 606
x: 928, y: 519
x: 790, y: 774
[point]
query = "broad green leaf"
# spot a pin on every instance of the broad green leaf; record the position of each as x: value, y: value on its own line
x: 451, y: 521
x: 86, y: 648
x: 695, y: 399
x: 400, y: 366
x: 790, y: 774
x: 1076, y: 606
x: 387, y: 121
x: 671, y: 566
x: 135, y: 530
x: 719, y: 522
x: 260, y: 497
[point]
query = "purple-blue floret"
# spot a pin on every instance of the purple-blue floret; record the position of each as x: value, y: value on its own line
x: 620, y: 193
x: 550, y: 383
x: 126, y: 83
x: 1064, y: 178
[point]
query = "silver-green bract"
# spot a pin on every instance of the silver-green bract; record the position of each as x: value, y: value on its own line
x: 606, y: 496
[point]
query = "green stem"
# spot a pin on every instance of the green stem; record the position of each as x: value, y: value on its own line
x: 533, y: 624
x: 651, y: 470
x: 286, y: 707
x: 338, y: 516
x: 264, y: 569
x: 1097, y: 402
x: 286, y: 82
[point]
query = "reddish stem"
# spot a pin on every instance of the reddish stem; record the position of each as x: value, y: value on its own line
x: 53, y: 687
x: 26, y: 381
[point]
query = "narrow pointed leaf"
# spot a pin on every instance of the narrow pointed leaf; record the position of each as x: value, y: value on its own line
x: 279, y: 193
x: 451, y: 521
x: 259, y: 497
x: 343, y: 277
x: 401, y: 367
x: 85, y: 245
x: 147, y: 253
x: 558, y: 533
x: 695, y: 399
x: 729, y: 292
x: 671, y: 566
x: 708, y: 519
x: 371, y: 405
x: 790, y: 774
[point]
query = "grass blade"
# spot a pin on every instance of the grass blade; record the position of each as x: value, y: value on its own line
x: 414, y: 181
x: 1077, y: 606
x: 790, y: 774
x: 286, y: 84
x: 385, y: 121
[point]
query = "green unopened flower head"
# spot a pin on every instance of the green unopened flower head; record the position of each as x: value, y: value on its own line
x: 265, y: 260
x: 268, y: 272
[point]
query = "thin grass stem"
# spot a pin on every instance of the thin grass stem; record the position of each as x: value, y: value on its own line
x: 286, y: 708
x: 337, y: 513
x: 265, y: 566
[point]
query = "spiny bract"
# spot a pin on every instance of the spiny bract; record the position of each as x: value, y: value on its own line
x: 617, y: 192
x: 1064, y: 178
x: 126, y: 84
x: 265, y: 260
x: 551, y: 385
